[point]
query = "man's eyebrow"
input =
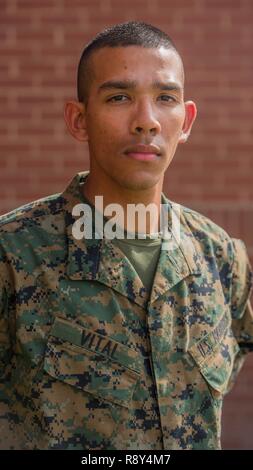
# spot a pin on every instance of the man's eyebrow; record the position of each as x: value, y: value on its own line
x: 131, y: 84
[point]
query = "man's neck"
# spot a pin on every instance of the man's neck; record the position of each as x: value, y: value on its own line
x: 126, y: 199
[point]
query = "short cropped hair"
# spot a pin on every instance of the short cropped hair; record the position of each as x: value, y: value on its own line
x: 131, y: 33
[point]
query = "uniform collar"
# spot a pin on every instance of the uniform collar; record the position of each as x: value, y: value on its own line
x: 102, y: 261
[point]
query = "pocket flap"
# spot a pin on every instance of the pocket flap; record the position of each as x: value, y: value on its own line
x: 109, y: 378
x: 215, y: 354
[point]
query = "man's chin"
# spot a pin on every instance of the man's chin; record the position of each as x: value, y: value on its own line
x: 137, y: 182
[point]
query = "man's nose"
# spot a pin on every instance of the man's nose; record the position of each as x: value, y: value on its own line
x: 145, y: 121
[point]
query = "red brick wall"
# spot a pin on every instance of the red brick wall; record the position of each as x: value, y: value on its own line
x: 40, y: 45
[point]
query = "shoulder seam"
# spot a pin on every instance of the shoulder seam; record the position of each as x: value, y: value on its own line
x: 21, y: 215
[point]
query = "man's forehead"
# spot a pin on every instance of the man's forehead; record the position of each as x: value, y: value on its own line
x: 137, y: 61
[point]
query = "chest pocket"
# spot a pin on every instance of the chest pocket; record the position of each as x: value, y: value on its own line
x: 215, y: 355
x: 92, y: 362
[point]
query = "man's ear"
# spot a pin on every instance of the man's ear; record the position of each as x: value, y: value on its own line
x: 190, y: 116
x: 74, y: 115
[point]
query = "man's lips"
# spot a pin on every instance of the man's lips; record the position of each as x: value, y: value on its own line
x: 143, y: 152
x: 142, y: 156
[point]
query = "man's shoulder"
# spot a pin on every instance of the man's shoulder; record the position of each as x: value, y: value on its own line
x: 209, y: 239
x: 212, y: 243
x: 37, y: 227
x: 202, y: 227
x: 32, y: 214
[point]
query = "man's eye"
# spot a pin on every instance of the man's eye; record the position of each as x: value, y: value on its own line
x: 116, y: 98
x: 167, y: 98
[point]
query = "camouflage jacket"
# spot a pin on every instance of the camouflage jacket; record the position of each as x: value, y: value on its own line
x: 89, y: 361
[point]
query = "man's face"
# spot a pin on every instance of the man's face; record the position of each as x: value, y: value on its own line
x: 135, y: 100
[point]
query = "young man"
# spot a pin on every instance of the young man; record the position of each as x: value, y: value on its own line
x: 122, y: 343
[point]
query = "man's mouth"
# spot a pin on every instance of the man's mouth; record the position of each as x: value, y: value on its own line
x: 143, y: 152
x: 146, y: 157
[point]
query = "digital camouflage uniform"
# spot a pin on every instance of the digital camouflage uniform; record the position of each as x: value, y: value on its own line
x: 89, y: 361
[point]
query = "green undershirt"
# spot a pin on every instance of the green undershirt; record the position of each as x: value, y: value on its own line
x: 143, y: 254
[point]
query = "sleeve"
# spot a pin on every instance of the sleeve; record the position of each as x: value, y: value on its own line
x: 4, y: 330
x: 6, y: 339
x: 241, y: 308
x: 5, y: 335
